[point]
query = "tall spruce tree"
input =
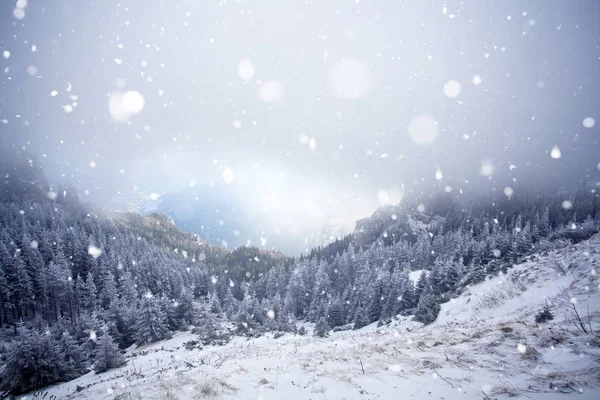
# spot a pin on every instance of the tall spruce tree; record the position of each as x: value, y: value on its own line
x: 107, y: 354
x: 151, y: 321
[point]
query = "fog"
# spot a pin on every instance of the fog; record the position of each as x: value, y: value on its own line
x: 311, y: 113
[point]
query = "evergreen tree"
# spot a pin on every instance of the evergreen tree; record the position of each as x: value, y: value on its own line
x: 322, y: 328
x: 107, y: 354
x: 422, y: 286
x: 72, y: 357
x: 427, y: 309
x: 296, y: 301
x: 361, y: 318
x: 408, y: 298
x: 335, y: 315
x: 150, y: 323
x: 377, y: 298
x: 184, y: 309
x: 33, y: 361
x: 121, y: 318
x: 87, y: 294
x: 22, y: 289
x: 109, y: 293
x: 5, y: 294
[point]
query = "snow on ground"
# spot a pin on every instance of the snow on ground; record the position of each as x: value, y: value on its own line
x: 485, y: 344
x: 415, y: 275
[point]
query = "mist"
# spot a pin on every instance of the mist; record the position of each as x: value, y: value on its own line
x: 312, y: 114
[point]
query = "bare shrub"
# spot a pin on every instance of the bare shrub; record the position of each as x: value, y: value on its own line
x: 568, y: 304
x: 506, y: 389
x: 209, y: 390
x: 506, y: 329
x: 531, y: 354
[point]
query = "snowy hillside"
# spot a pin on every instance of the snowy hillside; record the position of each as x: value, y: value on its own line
x: 484, y: 345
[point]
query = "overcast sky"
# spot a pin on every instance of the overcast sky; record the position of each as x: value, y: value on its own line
x: 313, y: 111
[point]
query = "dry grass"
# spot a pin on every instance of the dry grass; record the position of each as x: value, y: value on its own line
x: 506, y: 389
x: 497, y: 296
x: 209, y: 390
x: 506, y: 329
x: 531, y: 354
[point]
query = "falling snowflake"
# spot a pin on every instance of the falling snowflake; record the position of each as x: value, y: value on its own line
x: 452, y: 89
x: 228, y: 176
x: 350, y: 79
x: 486, y: 169
x: 122, y: 106
x: 423, y: 129
x: 94, y: 251
x: 567, y: 204
x: 246, y: 69
x: 271, y: 91
x: 589, y: 122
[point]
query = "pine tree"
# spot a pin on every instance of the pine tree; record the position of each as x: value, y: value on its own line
x: 335, y: 315
x: 427, y: 310
x: 408, y: 298
x: 32, y: 362
x: 184, y: 309
x: 422, y: 286
x: 5, y: 294
x: 150, y: 323
x: 322, y: 328
x: 375, y: 305
x: 121, y: 318
x: 296, y: 301
x: 22, y: 289
x: 87, y: 294
x: 72, y: 357
x: 477, y: 274
x: 108, y: 294
x: 361, y: 318
x: 107, y: 354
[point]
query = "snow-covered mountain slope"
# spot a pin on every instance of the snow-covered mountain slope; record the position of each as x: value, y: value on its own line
x: 484, y: 345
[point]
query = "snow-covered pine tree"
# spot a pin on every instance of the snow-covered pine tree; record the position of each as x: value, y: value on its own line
x: 335, y: 315
x: 32, y: 361
x: 427, y: 309
x: 150, y: 322
x: 322, y: 328
x: 422, y: 286
x: 86, y: 294
x: 107, y: 354
x: 73, y: 359
x: 184, y: 308
x: 408, y: 298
